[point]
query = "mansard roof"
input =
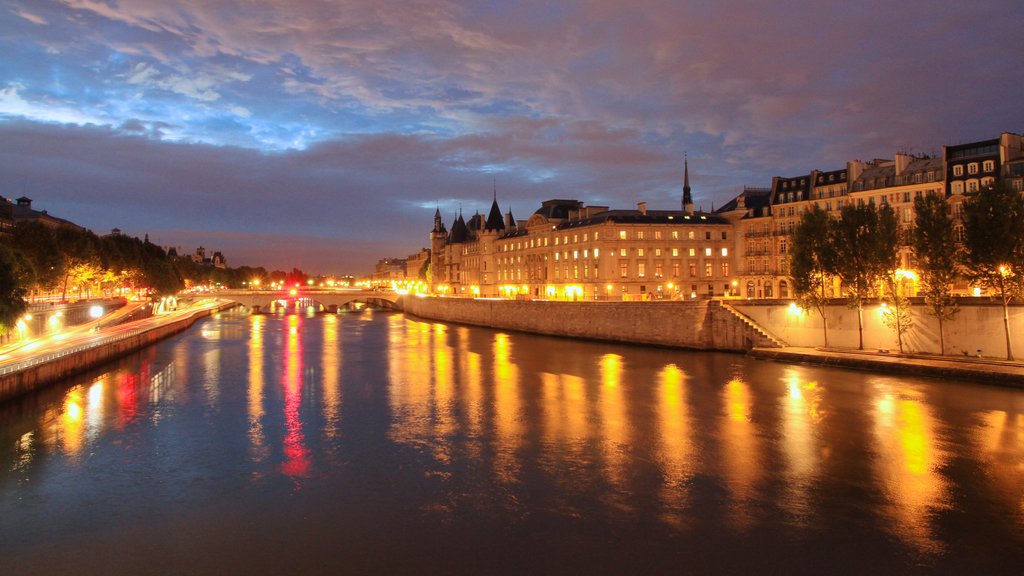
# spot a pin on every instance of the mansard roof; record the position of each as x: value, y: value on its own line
x: 678, y: 217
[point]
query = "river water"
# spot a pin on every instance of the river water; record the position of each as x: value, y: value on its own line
x: 373, y: 443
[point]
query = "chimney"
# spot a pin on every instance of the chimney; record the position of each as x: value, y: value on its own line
x: 642, y: 207
x: 741, y: 202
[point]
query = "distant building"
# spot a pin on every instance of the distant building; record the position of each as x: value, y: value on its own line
x: 388, y: 270
x: 21, y: 211
x: 218, y: 260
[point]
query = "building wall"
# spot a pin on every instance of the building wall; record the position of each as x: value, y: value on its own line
x: 978, y: 326
x: 699, y: 324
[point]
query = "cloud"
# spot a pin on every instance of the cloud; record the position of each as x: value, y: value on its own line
x: 33, y: 18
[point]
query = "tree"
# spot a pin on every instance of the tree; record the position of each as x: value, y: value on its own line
x: 897, y: 315
x: 12, y: 291
x: 861, y: 253
x: 938, y: 256
x: 994, y: 243
x: 811, y: 262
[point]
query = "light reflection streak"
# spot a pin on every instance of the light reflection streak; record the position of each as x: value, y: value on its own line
x: 613, y: 418
x: 70, y: 427
x: 257, y: 439
x: 296, y: 456
x: 675, y: 449
x: 443, y: 390
x: 409, y: 381
x: 507, y: 425
x: 741, y: 450
x: 908, y: 463
x: 999, y: 440
x: 801, y: 416
x: 472, y: 386
x: 331, y: 360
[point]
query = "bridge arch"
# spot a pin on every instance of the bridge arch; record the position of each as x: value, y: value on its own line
x: 303, y: 300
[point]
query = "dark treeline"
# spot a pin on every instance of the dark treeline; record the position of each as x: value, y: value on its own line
x: 39, y: 261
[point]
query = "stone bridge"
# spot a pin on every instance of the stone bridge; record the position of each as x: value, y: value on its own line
x: 299, y: 299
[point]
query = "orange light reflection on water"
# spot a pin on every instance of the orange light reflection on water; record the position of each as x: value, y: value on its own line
x: 675, y: 447
x: 741, y: 451
x: 257, y: 439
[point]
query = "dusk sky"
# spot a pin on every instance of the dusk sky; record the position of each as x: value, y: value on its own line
x: 323, y: 134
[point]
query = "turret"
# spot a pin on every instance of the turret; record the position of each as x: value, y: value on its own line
x: 687, y: 198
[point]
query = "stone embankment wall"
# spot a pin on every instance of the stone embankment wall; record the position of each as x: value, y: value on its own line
x: 978, y: 326
x: 701, y: 324
x: 35, y: 377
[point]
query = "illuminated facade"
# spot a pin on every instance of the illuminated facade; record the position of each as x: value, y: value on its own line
x: 567, y: 250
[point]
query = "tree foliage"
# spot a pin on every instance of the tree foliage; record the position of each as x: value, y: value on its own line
x: 865, y: 240
x: 812, y: 261
x: 994, y: 245
x: 938, y: 256
x: 12, y: 291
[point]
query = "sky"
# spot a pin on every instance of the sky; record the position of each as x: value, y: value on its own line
x: 323, y: 134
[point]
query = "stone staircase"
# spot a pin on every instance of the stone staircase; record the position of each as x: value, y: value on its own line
x: 765, y: 339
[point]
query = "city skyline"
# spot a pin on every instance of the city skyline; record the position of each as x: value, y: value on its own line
x: 323, y: 135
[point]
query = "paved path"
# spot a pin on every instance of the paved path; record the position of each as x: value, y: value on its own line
x: 966, y: 367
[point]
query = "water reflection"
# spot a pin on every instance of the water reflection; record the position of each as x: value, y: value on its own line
x: 741, y: 451
x: 506, y: 432
x: 296, y: 455
x: 257, y: 438
x: 676, y: 443
x: 909, y: 461
x: 801, y: 417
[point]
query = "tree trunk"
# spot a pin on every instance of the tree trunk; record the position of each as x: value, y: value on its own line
x: 942, y: 338
x: 1006, y: 328
x: 821, y: 310
x: 860, y: 326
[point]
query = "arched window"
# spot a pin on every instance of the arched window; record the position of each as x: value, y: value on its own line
x: 783, y: 289
x: 750, y: 289
x: 768, y: 290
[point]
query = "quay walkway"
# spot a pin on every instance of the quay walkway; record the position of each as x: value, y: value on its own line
x: 986, y: 369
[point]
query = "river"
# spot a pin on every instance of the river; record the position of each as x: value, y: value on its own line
x: 374, y: 443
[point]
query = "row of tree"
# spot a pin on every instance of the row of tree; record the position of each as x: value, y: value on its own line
x: 37, y: 260
x: 861, y: 247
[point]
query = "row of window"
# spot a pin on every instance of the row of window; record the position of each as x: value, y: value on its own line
x: 972, y: 168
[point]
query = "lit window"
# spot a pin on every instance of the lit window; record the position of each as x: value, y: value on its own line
x: 707, y: 251
x: 586, y: 253
x: 657, y: 270
x: 657, y: 251
x: 690, y: 235
x: 675, y: 251
x: 693, y: 251
x: 622, y: 251
x: 639, y: 251
x: 989, y: 166
x: 958, y: 170
x: 596, y: 252
x: 675, y: 269
x: 675, y: 234
x: 972, y: 168
x: 575, y: 254
x: 708, y: 269
x: 657, y: 234
x: 556, y: 240
x: 640, y: 235
x: 641, y: 269
x: 556, y: 256
x: 623, y: 269
x: 725, y: 268
x: 956, y: 187
x: 622, y: 234
x: 725, y: 251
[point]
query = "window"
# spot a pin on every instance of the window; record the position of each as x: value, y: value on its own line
x: 987, y: 181
x: 657, y: 234
x: 783, y: 289
x: 972, y: 185
x: 972, y: 168
x: 908, y: 216
x: 584, y: 237
x: 623, y: 269
x: 707, y: 251
x: 958, y: 170
x: 657, y: 269
x: 956, y: 187
x: 597, y: 252
x: 989, y: 166
x: 657, y: 251
x: 725, y: 268
x: 556, y: 256
x: 575, y: 254
x: 709, y: 270
x: 622, y: 234
x: 639, y: 251
x: 675, y: 234
x: 707, y: 235
x: 689, y: 235
x: 675, y: 251
x: 725, y: 252
x: 693, y: 251
x: 640, y: 235
x: 575, y: 238
x: 641, y: 269
x: 675, y: 269
x: 782, y: 246
x: 622, y: 251
x: 906, y: 198
x: 693, y: 269
x: 556, y: 240
x: 724, y: 235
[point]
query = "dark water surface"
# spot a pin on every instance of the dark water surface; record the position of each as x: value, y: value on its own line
x: 377, y: 444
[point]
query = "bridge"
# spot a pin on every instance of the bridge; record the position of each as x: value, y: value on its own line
x: 301, y: 299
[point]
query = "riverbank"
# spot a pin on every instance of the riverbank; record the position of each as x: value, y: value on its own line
x: 49, y: 360
x: 965, y: 368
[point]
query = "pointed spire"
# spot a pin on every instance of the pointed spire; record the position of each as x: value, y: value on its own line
x: 687, y: 197
x: 494, y: 219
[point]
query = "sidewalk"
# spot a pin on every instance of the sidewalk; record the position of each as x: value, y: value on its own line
x: 963, y: 367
